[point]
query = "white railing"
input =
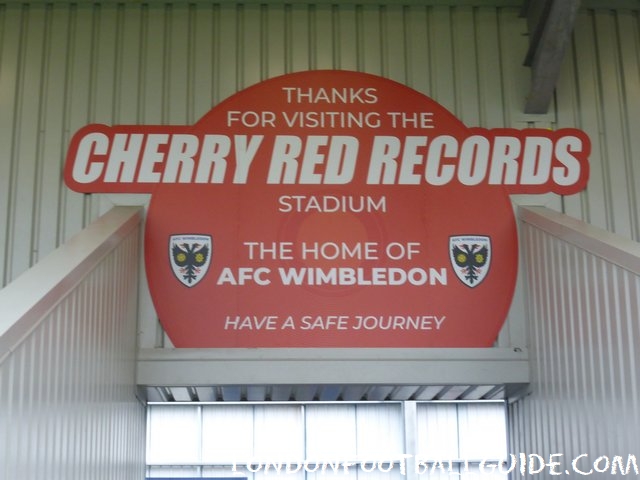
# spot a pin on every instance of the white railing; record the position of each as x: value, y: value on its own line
x: 68, y: 408
x: 583, y: 299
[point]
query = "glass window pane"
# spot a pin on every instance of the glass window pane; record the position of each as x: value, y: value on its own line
x: 437, y: 431
x: 331, y: 432
x: 482, y: 431
x: 380, y: 430
x: 278, y: 432
x: 173, y: 435
x: 227, y: 434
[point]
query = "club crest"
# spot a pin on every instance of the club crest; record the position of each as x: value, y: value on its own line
x: 190, y: 257
x: 470, y: 258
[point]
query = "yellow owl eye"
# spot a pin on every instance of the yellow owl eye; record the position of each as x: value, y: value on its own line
x: 461, y: 258
x: 199, y: 257
x: 181, y: 257
x: 479, y: 258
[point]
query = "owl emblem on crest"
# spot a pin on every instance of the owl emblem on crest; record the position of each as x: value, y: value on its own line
x: 470, y: 258
x: 190, y: 257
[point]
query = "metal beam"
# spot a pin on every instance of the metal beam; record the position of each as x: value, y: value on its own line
x: 550, y: 27
x: 436, y: 366
x: 609, y: 246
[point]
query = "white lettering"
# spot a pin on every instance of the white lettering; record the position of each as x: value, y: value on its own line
x: 123, y: 158
x: 84, y: 170
x: 525, y: 163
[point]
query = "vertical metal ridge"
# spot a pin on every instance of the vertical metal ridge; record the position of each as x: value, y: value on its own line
x: 65, y: 121
x: 416, y: 53
x: 627, y: 45
x: 12, y: 140
x: 4, y: 211
x: 190, y: 117
x: 263, y: 35
x: 384, y: 39
x: 312, y: 38
x: 167, y: 39
x: 240, y: 47
x: 39, y: 153
x: 118, y: 62
x: 406, y: 42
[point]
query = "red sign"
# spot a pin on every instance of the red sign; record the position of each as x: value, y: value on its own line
x: 329, y: 209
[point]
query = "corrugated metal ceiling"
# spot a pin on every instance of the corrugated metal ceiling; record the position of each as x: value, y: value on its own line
x: 323, y: 393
